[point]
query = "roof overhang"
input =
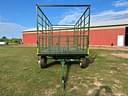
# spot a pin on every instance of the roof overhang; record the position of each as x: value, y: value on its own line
x: 92, y: 27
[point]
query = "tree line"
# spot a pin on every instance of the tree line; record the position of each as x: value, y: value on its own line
x: 10, y: 40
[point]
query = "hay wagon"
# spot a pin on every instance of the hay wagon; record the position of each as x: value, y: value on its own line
x: 74, y: 46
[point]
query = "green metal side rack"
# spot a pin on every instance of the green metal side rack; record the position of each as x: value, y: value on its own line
x: 74, y: 46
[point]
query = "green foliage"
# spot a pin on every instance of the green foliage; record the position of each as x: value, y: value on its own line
x: 4, y: 39
x: 15, y: 40
x: 10, y: 40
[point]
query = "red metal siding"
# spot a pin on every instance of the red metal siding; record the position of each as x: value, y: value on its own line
x: 105, y: 36
x: 100, y: 36
x: 29, y: 38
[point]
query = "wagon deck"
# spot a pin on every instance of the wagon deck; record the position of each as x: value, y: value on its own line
x: 62, y: 51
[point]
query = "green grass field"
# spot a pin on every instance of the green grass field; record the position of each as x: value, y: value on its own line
x: 20, y: 75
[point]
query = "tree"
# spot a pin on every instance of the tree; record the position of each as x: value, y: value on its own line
x: 4, y: 39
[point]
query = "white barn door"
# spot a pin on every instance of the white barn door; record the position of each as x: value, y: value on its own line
x: 120, y: 40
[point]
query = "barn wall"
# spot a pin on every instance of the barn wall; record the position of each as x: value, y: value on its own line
x: 29, y: 38
x: 105, y: 36
x: 98, y: 36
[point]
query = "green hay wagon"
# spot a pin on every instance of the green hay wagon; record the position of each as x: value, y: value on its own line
x: 60, y: 47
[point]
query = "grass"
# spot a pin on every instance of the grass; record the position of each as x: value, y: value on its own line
x: 20, y: 75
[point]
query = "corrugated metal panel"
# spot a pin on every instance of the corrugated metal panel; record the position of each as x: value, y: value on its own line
x: 97, y: 36
x: 29, y: 39
x: 105, y: 36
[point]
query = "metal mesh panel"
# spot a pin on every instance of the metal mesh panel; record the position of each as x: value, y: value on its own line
x: 53, y: 40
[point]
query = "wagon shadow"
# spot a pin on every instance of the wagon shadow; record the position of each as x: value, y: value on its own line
x: 92, y: 57
x: 69, y: 64
x: 107, y: 91
x: 53, y: 63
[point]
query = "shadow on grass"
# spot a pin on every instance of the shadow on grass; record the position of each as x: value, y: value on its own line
x: 92, y: 58
x: 69, y: 64
x: 106, y: 90
x: 53, y: 63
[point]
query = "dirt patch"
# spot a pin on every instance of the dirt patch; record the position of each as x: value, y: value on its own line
x: 121, y: 55
x: 109, y: 48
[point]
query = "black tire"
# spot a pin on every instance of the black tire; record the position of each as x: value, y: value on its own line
x: 84, y: 62
x: 43, y: 62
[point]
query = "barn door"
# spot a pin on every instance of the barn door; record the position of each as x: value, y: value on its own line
x: 120, y: 40
x: 126, y: 36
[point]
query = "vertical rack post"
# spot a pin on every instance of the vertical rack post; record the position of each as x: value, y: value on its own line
x: 37, y: 28
x: 84, y: 31
x: 87, y: 46
x: 59, y: 39
x: 46, y: 34
x: 74, y: 38
x: 74, y: 34
x: 42, y: 31
x: 80, y: 32
x: 78, y: 35
x: 49, y: 44
x: 52, y: 37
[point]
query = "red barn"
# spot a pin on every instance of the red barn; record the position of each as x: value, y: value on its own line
x: 110, y: 35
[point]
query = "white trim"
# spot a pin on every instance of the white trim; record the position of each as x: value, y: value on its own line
x: 110, y: 27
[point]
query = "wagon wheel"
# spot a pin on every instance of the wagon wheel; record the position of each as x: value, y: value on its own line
x: 84, y: 62
x: 43, y: 62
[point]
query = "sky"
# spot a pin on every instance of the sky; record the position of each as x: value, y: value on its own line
x: 18, y: 15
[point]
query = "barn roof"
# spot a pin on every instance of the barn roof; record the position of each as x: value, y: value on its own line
x: 62, y: 27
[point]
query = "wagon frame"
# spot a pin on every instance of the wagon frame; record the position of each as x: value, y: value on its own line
x: 75, y: 46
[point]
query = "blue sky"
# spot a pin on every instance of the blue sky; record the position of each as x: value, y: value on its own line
x: 17, y: 15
